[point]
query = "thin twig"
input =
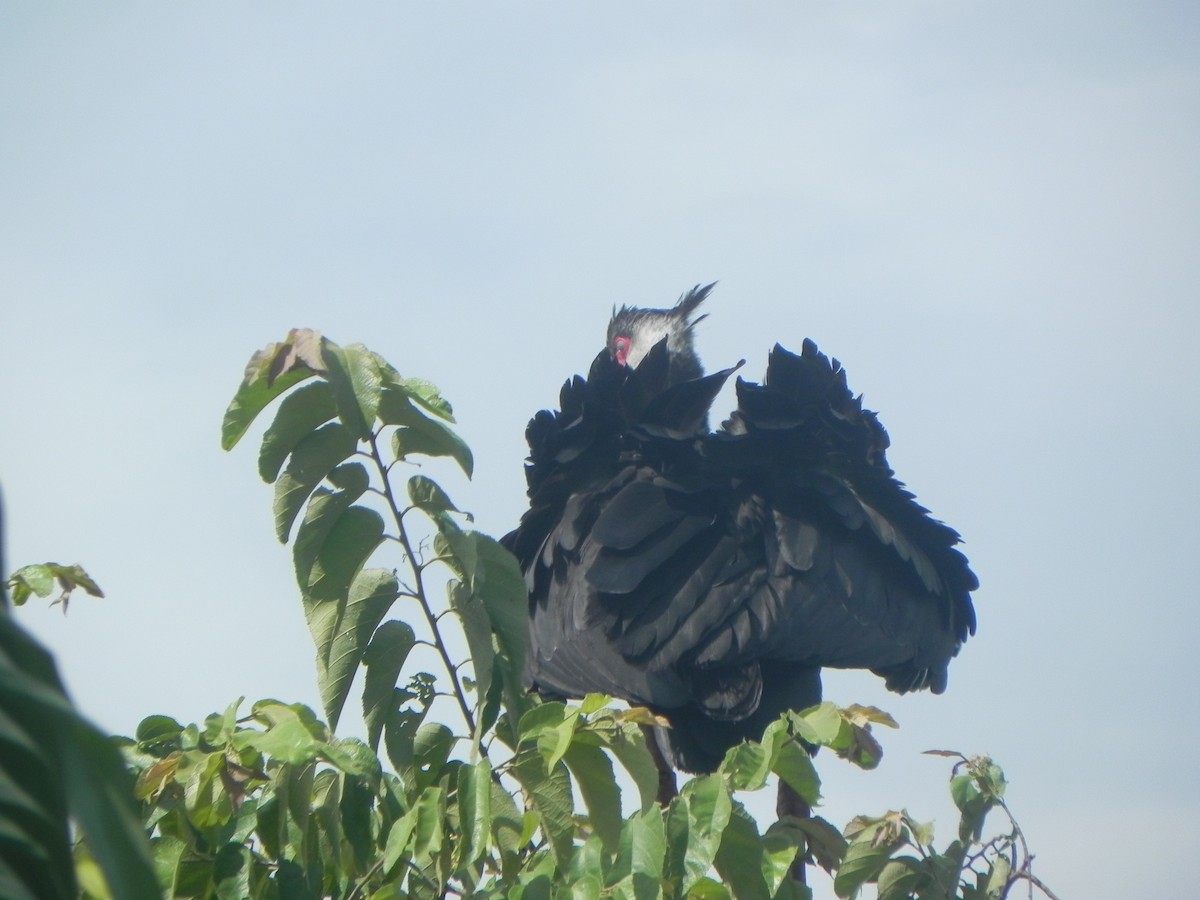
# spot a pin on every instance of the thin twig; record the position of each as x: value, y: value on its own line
x: 1038, y: 883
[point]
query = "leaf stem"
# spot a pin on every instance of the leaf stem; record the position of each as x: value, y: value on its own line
x: 419, y: 586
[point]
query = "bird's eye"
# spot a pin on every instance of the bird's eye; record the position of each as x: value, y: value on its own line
x: 620, y: 349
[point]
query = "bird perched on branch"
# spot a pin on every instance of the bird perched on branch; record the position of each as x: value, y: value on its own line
x: 710, y: 575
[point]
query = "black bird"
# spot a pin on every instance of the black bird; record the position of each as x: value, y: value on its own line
x: 710, y: 575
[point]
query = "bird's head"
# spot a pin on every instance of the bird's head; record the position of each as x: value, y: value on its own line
x: 632, y: 332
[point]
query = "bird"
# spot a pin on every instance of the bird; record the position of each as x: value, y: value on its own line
x: 710, y: 574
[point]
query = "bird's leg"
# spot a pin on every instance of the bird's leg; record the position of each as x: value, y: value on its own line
x: 789, y: 803
x: 667, y: 789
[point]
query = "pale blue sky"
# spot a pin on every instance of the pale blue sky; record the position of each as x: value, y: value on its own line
x: 989, y: 212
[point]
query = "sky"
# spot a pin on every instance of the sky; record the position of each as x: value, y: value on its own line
x: 988, y: 212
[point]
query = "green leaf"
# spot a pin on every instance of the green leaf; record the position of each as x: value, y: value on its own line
x: 707, y: 889
x: 901, y: 878
x: 963, y: 791
x: 455, y: 549
x: 586, y: 888
x: 158, y: 730
x: 294, y: 883
x: 818, y: 725
x: 270, y: 372
x: 474, y: 811
x: 300, y: 414
x: 396, y: 406
x: 589, y: 857
x: 593, y: 773
x: 553, y: 742
x: 353, y: 538
x: 860, y: 747
x: 641, y: 855
x: 747, y: 765
x: 739, y: 858
x: 371, y: 595
x: 356, y: 377
x: 782, y: 842
x: 218, y: 729
x: 399, y: 840
x: 73, y: 768
x: 431, y: 750
x: 168, y: 855
x: 29, y: 580
x: 795, y: 766
x: 550, y: 795
x: 87, y: 875
x: 825, y: 842
x: 400, y: 731
x: 425, y: 494
x: 862, y: 863
x: 425, y: 395
x: 432, y: 438
x: 292, y: 736
x: 384, y: 657
x: 500, y: 584
x: 922, y: 832
x: 997, y: 879
x: 847, y: 732
x: 989, y: 777
x: 325, y: 511
x: 231, y: 871
x: 492, y: 575
x: 628, y: 745
x: 423, y: 434
x: 507, y: 825
x: 312, y: 460
x: 208, y: 805
x: 325, y: 811
x: 40, y: 579
x: 429, y: 832
x: 593, y: 703
x: 98, y: 790
x: 73, y: 576
x: 477, y: 629
x: 695, y: 822
x: 489, y: 711
x: 354, y: 757
x: 543, y: 717
x: 537, y: 879
x: 341, y: 604
x: 973, y: 805
x: 869, y: 715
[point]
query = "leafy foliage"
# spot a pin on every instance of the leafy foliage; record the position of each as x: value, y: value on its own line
x: 462, y: 784
x: 55, y: 767
x: 896, y: 853
x: 42, y: 579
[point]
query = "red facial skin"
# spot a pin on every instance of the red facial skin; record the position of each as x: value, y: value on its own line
x: 620, y: 349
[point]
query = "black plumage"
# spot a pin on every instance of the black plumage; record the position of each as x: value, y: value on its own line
x: 710, y: 575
